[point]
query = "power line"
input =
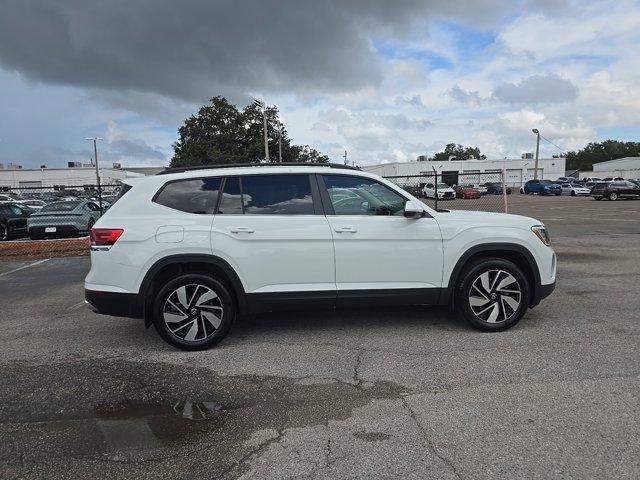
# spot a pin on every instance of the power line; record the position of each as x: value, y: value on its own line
x: 560, y: 149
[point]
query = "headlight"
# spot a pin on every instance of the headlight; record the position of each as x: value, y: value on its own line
x: 541, y: 233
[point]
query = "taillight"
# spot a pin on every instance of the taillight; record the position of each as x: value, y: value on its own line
x: 103, y: 238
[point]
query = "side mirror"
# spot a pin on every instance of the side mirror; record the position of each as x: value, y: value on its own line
x: 413, y: 209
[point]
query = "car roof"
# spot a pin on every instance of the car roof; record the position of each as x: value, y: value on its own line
x: 259, y: 169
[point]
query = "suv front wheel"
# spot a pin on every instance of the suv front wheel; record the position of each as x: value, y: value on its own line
x: 193, y: 312
x: 492, y: 294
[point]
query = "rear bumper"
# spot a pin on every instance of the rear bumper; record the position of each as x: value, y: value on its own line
x: 60, y: 230
x: 114, y: 303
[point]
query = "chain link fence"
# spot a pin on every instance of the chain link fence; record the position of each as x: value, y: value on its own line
x: 37, y: 221
x: 481, y: 191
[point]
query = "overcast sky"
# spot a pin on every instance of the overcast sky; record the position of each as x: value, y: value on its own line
x: 384, y: 80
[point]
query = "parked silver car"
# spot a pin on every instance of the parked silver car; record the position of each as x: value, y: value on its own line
x: 69, y: 218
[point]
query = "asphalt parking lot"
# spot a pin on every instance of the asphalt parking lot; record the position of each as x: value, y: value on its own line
x: 369, y: 393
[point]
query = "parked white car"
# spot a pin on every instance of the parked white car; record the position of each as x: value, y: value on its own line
x: 574, y: 189
x: 190, y: 249
x: 445, y: 192
x: 32, y: 204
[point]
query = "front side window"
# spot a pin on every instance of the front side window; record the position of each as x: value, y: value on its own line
x: 362, y: 196
x: 198, y: 195
x: 277, y: 195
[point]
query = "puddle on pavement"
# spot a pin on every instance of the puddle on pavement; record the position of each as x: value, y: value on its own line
x: 132, y: 424
x: 143, y: 413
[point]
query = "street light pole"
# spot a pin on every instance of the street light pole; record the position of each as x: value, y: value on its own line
x: 95, y: 155
x: 535, y: 168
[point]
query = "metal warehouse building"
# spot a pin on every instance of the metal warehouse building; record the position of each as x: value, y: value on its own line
x: 517, y: 171
x: 76, y: 176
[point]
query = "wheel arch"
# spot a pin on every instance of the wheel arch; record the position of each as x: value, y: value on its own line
x: 189, y: 263
x: 512, y: 252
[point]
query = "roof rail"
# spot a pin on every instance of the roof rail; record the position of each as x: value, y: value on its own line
x: 239, y: 165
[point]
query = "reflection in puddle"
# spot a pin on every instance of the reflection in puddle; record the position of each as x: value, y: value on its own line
x: 135, y: 425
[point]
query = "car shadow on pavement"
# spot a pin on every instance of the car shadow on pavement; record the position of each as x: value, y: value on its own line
x: 349, y: 320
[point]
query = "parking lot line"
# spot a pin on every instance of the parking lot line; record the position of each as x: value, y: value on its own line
x: 24, y: 266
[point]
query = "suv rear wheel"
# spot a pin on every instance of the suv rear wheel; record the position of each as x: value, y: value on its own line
x: 613, y: 196
x: 492, y: 294
x: 193, y: 312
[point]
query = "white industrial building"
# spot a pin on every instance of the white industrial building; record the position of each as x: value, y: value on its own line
x: 627, y: 167
x: 74, y: 176
x: 517, y: 171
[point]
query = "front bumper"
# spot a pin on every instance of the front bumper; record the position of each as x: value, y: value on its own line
x: 542, y: 292
x: 115, y: 304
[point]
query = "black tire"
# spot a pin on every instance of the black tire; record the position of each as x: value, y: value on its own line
x: 573, y: 194
x: 613, y: 196
x: 197, y: 319
x: 507, y: 316
x: 4, y: 232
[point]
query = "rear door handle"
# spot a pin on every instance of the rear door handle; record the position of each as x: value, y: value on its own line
x: 241, y: 229
x: 345, y: 229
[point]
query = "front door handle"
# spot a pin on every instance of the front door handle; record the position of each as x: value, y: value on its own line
x: 345, y: 229
x: 241, y: 229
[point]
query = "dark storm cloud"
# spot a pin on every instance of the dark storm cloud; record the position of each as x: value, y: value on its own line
x: 549, y: 88
x: 190, y: 50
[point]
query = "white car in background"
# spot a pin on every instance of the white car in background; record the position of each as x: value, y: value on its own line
x: 574, y: 189
x: 445, y: 192
x: 32, y: 204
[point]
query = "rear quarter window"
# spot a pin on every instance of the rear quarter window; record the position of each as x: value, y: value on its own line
x: 195, y: 195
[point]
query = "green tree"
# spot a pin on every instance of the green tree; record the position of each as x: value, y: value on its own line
x: 596, y: 152
x: 220, y: 133
x: 459, y: 152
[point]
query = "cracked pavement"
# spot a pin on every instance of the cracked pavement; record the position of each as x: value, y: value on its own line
x: 365, y: 393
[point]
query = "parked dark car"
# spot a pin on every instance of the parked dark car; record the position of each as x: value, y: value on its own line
x: 542, y: 187
x: 495, y: 188
x: 13, y: 220
x: 615, y: 190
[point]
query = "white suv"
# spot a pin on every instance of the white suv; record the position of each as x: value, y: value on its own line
x: 190, y: 249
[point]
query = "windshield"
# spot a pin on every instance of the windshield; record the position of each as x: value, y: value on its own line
x: 60, y: 207
x: 443, y: 185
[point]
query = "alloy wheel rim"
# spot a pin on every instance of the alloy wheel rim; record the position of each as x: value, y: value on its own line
x: 193, y: 312
x: 495, y: 296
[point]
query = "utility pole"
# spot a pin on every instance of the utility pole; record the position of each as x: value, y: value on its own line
x: 280, y: 127
x: 345, y: 157
x: 95, y: 155
x: 261, y: 105
x: 535, y: 168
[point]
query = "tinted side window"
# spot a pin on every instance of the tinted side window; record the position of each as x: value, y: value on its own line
x: 198, y: 195
x: 362, y: 196
x: 231, y: 200
x: 277, y: 195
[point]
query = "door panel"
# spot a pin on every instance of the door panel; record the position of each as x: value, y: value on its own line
x: 386, y: 252
x: 268, y: 227
x: 380, y: 248
x: 276, y: 253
